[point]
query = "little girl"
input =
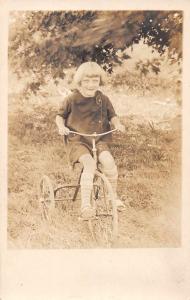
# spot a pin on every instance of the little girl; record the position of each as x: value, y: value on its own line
x: 88, y: 110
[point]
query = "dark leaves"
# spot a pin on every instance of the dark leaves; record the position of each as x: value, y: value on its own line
x: 148, y: 66
x: 47, y: 42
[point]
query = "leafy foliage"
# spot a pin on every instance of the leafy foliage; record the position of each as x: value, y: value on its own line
x: 45, y: 43
x: 148, y: 66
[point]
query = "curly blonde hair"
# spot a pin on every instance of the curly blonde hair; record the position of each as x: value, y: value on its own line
x: 90, y: 69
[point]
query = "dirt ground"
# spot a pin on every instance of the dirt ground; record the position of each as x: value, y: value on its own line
x: 149, y: 161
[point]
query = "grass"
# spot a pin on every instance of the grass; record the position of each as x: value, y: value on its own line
x: 148, y: 159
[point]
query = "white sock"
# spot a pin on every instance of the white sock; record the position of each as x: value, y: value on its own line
x: 86, y: 183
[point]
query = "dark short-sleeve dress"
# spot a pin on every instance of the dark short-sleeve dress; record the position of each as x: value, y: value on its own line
x: 86, y: 115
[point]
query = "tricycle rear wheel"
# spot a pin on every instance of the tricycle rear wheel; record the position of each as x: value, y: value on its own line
x: 46, y: 196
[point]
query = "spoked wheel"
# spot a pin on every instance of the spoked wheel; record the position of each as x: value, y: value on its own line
x: 104, y: 228
x: 46, y: 197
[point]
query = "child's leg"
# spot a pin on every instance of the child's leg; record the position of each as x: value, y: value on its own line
x: 89, y: 167
x: 109, y: 168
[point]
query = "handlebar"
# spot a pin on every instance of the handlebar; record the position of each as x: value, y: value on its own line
x: 93, y: 134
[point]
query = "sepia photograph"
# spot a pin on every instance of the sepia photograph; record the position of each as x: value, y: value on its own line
x: 94, y: 150
x: 94, y: 129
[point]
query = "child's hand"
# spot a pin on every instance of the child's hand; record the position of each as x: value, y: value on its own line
x: 120, y: 127
x: 117, y: 124
x: 63, y: 130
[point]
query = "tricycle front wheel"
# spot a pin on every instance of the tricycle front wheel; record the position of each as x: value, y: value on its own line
x: 105, y: 226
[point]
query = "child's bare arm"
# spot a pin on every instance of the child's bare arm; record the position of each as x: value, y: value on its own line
x: 117, y: 124
x: 63, y: 130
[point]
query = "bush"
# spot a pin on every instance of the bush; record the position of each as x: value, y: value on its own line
x: 155, y: 76
x: 34, y: 124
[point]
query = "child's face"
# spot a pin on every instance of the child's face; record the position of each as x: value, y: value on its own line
x: 89, y: 85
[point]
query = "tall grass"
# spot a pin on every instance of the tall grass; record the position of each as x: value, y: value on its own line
x: 146, y: 157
